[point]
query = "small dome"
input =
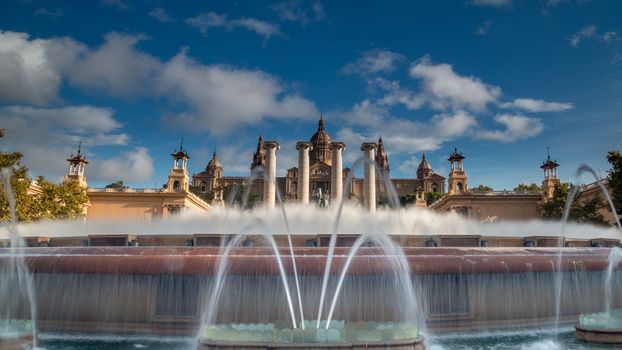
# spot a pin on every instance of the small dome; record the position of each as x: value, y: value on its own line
x: 214, y: 162
x: 321, y: 136
x: 424, y: 165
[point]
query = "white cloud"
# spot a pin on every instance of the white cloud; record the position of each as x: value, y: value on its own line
x: 47, y: 136
x: 584, y: 33
x: 443, y: 88
x: 224, y: 97
x: 297, y: 11
x: 54, y: 14
x: 517, y: 127
x: 219, y: 97
x: 116, y: 67
x: 533, y: 105
x: 161, y: 15
x: 366, y: 120
x: 118, y: 4
x: 31, y: 70
x: 373, y: 62
x: 592, y: 32
x: 204, y: 21
x: 610, y: 36
x: 492, y: 3
x: 395, y: 94
x: 135, y: 165
x: 484, y: 28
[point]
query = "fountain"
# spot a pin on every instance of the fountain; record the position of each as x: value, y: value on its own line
x: 17, y: 328
x: 280, y: 278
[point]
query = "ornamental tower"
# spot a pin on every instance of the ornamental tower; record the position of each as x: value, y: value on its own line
x: 77, y: 165
x: 550, y: 177
x: 458, y: 180
x: 178, y: 177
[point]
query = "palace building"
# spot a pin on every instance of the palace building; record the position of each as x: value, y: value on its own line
x: 319, y: 177
x: 323, y: 161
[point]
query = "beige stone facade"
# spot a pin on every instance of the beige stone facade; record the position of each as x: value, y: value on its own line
x: 212, y: 181
x: 139, y: 204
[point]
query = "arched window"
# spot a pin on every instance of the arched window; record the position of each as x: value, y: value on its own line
x: 459, y: 186
x: 176, y: 186
x: 434, y: 187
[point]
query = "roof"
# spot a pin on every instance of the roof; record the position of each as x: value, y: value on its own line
x: 424, y: 165
x: 321, y: 136
x: 455, y: 155
x: 214, y: 162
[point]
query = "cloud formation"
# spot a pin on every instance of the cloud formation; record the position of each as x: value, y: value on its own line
x: 299, y: 11
x: 218, y: 97
x: 161, y: 15
x: 533, y: 105
x: 31, y: 70
x: 591, y: 32
x: 517, y: 127
x: 373, y: 62
x: 491, y: 3
x: 204, y: 21
x: 443, y: 88
x: 135, y: 165
x: 61, y: 128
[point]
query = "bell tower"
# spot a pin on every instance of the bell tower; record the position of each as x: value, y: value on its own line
x: 178, y: 177
x: 550, y: 177
x: 382, y: 159
x: 458, y: 180
x: 77, y: 164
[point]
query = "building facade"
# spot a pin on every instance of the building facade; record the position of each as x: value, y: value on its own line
x: 144, y: 204
x: 320, y: 152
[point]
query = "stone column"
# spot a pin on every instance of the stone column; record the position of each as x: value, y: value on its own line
x: 303, y: 171
x: 269, y: 185
x: 369, y: 179
x: 336, y: 172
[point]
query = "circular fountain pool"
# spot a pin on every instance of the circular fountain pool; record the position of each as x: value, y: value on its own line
x: 339, y: 335
x: 601, y: 327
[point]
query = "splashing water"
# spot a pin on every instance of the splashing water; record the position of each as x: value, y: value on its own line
x: 615, y: 256
x: 17, y: 280
x: 572, y: 193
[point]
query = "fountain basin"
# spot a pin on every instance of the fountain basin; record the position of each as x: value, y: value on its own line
x: 340, y: 335
x: 15, y: 334
x: 600, y: 327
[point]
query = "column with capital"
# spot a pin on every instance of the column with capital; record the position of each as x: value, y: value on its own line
x: 303, y: 148
x: 269, y: 180
x: 369, y: 176
x: 336, y: 172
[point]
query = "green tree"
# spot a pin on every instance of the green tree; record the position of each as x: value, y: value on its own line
x: 533, y: 187
x: 117, y: 185
x: 580, y: 211
x: 431, y: 197
x: 408, y: 199
x: 483, y: 188
x: 235, y: 194
x: 47, y: 201
x: 615, y: 179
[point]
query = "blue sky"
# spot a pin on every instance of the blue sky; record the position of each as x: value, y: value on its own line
x: 499, y: 79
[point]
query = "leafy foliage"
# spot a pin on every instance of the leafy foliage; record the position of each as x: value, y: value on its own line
x: 117, y: 185
x: 615, y: 179
x: 48, y: 201
x: 234, y: 194
x: 483, y: 188
x: 431, y: 197
x: 580, y: 211
x: 533, y: 187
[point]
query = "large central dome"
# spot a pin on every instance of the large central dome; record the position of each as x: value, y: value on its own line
x: 321, y: 145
